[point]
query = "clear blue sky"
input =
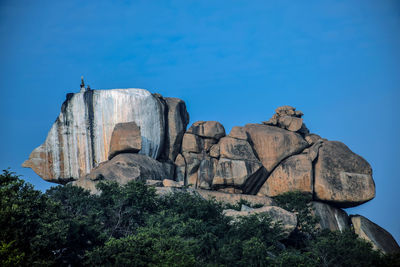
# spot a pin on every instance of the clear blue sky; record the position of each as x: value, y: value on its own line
x: 231, y: 61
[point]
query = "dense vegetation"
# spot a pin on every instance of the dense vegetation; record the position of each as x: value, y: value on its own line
x: 131, y: 226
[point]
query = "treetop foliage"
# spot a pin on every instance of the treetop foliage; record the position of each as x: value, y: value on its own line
x: 130, y: 225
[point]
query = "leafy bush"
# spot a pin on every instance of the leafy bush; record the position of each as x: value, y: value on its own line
x: 130, y: 225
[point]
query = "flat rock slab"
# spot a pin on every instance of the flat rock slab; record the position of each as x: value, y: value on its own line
x: 331, y: 218
x: 379, y: 237
x: 293, y: 174
x: 125, y: 138
x: 342, y: 177
x: 287, y: 219
x: 273, y: 144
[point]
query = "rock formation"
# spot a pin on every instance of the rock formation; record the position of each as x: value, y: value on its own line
x: 131, y: 134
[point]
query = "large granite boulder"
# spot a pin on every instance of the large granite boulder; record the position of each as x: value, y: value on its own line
x: 273, y: 144
x: 245, y: 175
x: 232, y: 148
x: 286, y: 219
x: 331, y: 218
x: 124, y: 168
x: 293, y: 174
x: 379, y: 237
x: 125, y: 138
x: 342, y: 177
x: 177, y: 121
x: 207, y: 129
x: 79, y: 139
x: 180, y: 168
x: 238, y: 132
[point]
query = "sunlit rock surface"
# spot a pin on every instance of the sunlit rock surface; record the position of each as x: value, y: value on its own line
x: 80, y: 137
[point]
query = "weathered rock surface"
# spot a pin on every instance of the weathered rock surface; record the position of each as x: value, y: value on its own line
x: 177, y: 121
x: 379, y: 237
x: 80, y: 138
x: 208, y: 129
x: 232, y: 148
x: 192, y: 166
x: 330, y: 217
x: 125, y: 138
x: 342, y: 177
x: 273, y: 144
x: 293, y: 174
x: 241, y: 174
x: 291, y: 123
x: 180, y: 169
x: 124, y: 168
x: 191, y: 143
x: 206, y: 172
x: 287, y: 219
x: 214, y: 151
x: 238, y: 133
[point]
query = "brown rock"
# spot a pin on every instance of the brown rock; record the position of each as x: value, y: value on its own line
x: 124, y: 168
x: 330, y: 217
x: 287, y: 220
x: 273, y: 144
x: 230, y: 190
x: 312, y: 138
x: 180, y: 169
x: 207, y: 143
x: 206, y: 172
x: 154, y: 183
x: 209, y: 129
x: 192, y: 166
x: 241, y: 174
x: 214, y: 151
x: 232, y: 148
x: 125, y: 138
x: 342, y: 177
x: 238, y: 133
x: 285, y: 110
x: 177, y: 121
x: 379, y: 237
x: 172, y: 183
x: 191, y: 143
x: 293, y: 174
x: 233, y: 199
x: 291, y: 123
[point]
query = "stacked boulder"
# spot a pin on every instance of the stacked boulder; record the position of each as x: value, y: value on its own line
x: 131, y: 134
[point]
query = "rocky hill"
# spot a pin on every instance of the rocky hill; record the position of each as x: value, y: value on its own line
x: 131, y: 134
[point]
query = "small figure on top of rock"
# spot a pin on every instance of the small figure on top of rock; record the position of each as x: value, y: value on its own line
x: 83, y: 89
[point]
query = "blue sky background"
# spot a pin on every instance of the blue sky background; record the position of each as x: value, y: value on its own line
x: 231, y: 61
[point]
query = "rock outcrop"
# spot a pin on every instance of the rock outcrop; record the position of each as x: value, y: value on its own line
x: 379, y: 237
x: 80, y: 138
x: 342, y: 177
x: 143, y: 136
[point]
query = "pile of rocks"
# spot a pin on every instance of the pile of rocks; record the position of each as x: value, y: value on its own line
x: 130, y: 134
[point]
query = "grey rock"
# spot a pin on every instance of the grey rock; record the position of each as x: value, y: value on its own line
x: 232, y: 148
x: 379, y: 237
x: 331, y: 218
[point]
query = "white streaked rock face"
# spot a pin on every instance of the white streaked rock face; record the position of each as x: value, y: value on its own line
x: 80, y: 137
